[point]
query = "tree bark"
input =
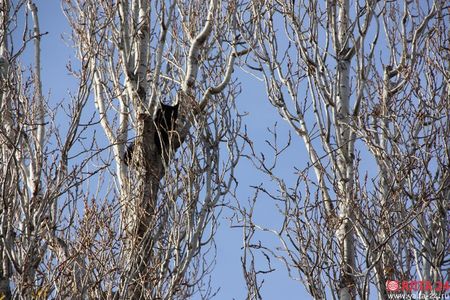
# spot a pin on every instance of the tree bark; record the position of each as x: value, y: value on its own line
x: 345, y: 167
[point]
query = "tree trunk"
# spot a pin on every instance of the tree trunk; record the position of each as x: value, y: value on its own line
x: 141, y: 211
x: 345, y: 232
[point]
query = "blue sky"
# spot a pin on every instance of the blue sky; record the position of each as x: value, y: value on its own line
x: 57, y: 53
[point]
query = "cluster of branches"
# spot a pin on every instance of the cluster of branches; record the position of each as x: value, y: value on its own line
x: 78, y: 219
x: 365, y: 86
x: 367, y: 95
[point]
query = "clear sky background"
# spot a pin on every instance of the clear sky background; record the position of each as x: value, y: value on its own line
x: 260, y: 115
x: 56, y: 54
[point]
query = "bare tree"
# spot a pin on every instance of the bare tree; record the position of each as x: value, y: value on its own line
x: 38, y: 183
x: 362, y: 84
x: 133, y: 217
